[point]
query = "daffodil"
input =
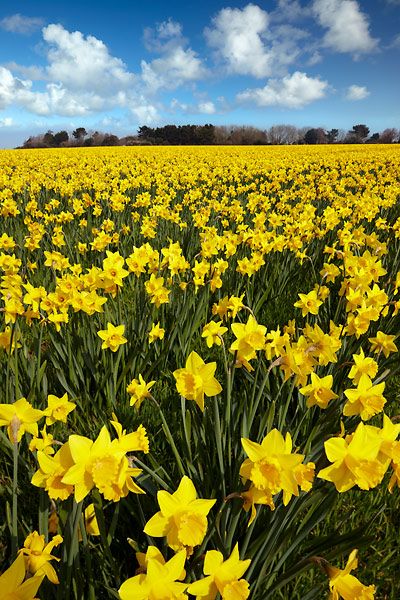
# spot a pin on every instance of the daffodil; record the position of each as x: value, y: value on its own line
x: 223, y: 576
x: 271, y: 466
x: 344, y: 585
x: 213, y: 333
x: 308, y: 303
x: 366, y: 400
x: 100, y: 464
x: 38, y: 555
x: 319, y: 391
x: 139, y: 390
x: 19, y: 417
x: 58, y: 409
x: 197, y: 380
x: 362, y: 366
x: 12, y: 584
x: 383, y: 343
x: 182, y: 518
x: 156, y: 333
x: 159, y: 582
x: 113, y: 337
x: 356, y: 460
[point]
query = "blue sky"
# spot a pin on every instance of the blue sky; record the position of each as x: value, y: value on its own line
x: 114, y: 66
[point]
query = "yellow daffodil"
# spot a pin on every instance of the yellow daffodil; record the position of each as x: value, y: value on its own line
x: 366, y: 400
x: 223, y: 576
x: 160, y: 581
x: 362, y: 365
x: 13, y: 586
x: 344, y: 585
x: 308, y: 303
x: 58, y: 409
x: 319, y: 391
x: 156, y: 333
x: 383, y: 343
x: 197, y: 380
x: 38, y: 555
x: 139, y: 390
x: 113, y: 337
x: 271, y: 466
x: 213, y: 332
x: 355, y: 459
x: 182, y: 517
x: 19, y: 417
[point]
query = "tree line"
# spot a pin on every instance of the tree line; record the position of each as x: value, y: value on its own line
x: 182, y: 135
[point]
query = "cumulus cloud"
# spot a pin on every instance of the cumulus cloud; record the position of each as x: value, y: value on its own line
x: 176, y: 64
x: 20, y: 24
x: 237, y: 37
x: 81, y: 77
x: 347, y: 27
x: 250, y: 41
x: 145, y: 112
x: 83, y: 63
x: 357, y: 92
x: 164, y: 35
x: 56, y: 99
x: 292, y: 91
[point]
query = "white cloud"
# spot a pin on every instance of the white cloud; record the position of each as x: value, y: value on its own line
x: 146, y: 113
x: 357, y: 92
x: 291, y: 91
x: 20, y: 24
x: 290, y: 10
x: 347, y: 27
x: 237, y: 37
x: 83, y: 63
x: 176, y: 65
x: 164, y: 35
x: 31, y: 72
x: 6, y: 122
x: 207, y: 108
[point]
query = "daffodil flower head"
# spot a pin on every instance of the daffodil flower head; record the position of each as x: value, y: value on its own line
x: 38, y: 555
x: 161, y: 582
x: 223, y: 576
x: 344, y: 585
x: 12, y: 584
x: 197, y: 380
x: 182, y: 517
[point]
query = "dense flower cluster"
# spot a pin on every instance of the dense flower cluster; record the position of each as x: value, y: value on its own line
x: 245, y: 304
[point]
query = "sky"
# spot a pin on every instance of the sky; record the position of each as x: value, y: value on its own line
x: 114, y: 66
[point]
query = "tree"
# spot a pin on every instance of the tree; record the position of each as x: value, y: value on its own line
x: 388, y: 136
x: 358, y: 134
x: 110, y: 140
x: 79, y: 133
x: 332, y: 135
x: 282, y: 134
x: 48, y: 139
x: 61, y: 137
x: 315, y: 136
x: 374, y: 139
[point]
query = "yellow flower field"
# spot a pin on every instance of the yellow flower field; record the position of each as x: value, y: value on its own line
x: 199, y: 364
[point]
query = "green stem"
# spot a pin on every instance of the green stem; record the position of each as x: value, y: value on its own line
x: 88, y: 560
x: 169, y: 437
x: 14, y: 532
